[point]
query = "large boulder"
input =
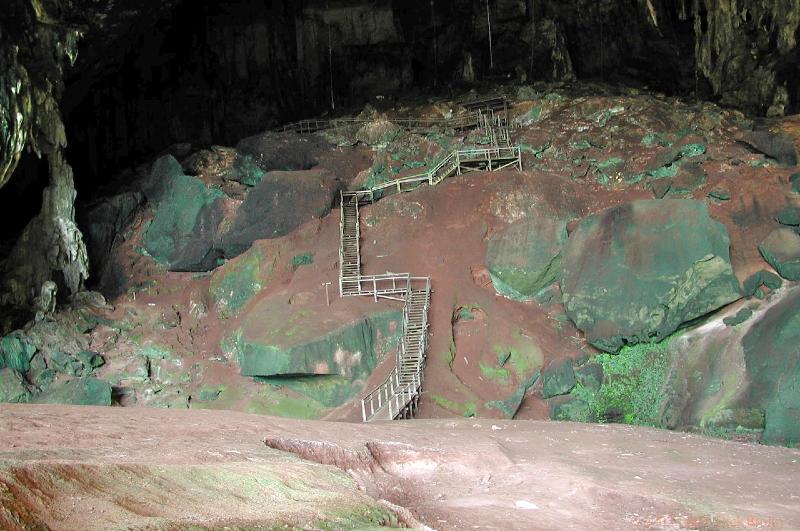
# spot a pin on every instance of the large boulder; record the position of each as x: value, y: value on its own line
x: 304, y: 341
x: 183, y: 232
x: 16, y: 352
x: 772, y: 358
x: 524, y: 258
x: 12, y: 387
x: 80, y: 392
x: 634, y: 273
x: 282, y: 151
x: 277, y: 205
x: 782, y: 250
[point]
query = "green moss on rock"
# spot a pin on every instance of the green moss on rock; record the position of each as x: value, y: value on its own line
x: 781, y: 249
x: 17, y: 352
x: 79, y: 392
x: 772, y: 359
x: 636, y: 272
x: 237, y: 282
x: 12, y: 387
x: 524, y: 258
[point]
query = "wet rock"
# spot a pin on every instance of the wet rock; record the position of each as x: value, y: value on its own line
x: 789, y: 216
x: 774, y: 145
x: 12, y: 387
x: 558, y: 378
x: 772, y: 359
x: 17, y: 352
x: 635, y: 272
x: 280, y: 203
x: 65, y: 363
x: 781, y: 249
x: 524, y: 258
x: 81, y: 392
x: 761, y: 278
x: 184, y: 227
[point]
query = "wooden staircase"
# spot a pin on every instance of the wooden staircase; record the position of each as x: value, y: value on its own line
x: 398, y: 395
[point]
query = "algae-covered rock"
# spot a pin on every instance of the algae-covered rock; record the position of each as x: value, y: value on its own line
x: 558, y: 378
x: 590, y: 376
x: 636, y: 272
x: 524, y: 258
x: 781, y: 249
x: 794, y: 181
x: 772, y: 359
x: 184, y: 227
x: 236, y: 282
x: 571, y: 408
x: 281, y: 340
x: 741, y: 316
x: 12, y: 387
x: 758, y: 279
x: 80, y: 392
x: 17, y: 352
x: 789, y: 216
x: 280, y: 203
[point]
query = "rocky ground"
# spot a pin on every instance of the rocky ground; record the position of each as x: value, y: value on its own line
x: 101, y: 468
x: 641, y: 269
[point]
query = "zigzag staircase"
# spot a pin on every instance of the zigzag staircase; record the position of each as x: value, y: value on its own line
x: 398, y: 395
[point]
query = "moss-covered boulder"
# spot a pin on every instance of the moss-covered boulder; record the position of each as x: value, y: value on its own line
x: 772, y: 359
x: 789, y: 216
x: 277, y: 205
x: 634, y: 273
x: 781, y: 249
x: 12, y: 387
x: 278, y: 340
x: 16, y: 352
x: 234, y: 284
x: 184, y: 227
x: 758, y: 279
x: 558, y: 378
x: 524, y: 258
x: 80, y: 392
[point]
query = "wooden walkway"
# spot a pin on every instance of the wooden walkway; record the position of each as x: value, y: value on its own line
x: 398, y: 395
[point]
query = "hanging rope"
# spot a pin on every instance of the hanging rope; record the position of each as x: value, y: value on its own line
x: 435, y: 47
x: 489, y: 25
x: 533, y: 34
x: 330, y: 60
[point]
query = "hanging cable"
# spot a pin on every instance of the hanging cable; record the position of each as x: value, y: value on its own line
x: 330, y: 60
x: 489, y: 25
x: 435, y: 47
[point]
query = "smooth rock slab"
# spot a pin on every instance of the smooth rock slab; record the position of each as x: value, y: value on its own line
x: 634, y: 273
x: 781, y: 249
x: 524, y: 258
x: 772, y: 359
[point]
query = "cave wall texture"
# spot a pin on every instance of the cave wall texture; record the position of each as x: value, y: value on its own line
x: 124, y: 79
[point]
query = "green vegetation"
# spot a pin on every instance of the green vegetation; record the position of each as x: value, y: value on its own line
x: 632, y: 389
x: 302, y: 259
